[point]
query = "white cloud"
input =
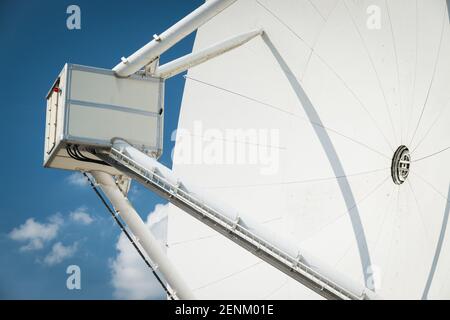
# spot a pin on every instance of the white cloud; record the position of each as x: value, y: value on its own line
x: 36, y: 234
x: 81, y: 216
x: 77, y: 179
x: 131, y: 278
x: 135, y: 192
x: 59, y: 253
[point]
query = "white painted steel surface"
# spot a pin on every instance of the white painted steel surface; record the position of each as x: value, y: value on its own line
x: 367, y: 91
x: 92, y: 106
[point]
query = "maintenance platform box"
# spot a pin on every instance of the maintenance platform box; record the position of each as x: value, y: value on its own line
x: 87, y: 107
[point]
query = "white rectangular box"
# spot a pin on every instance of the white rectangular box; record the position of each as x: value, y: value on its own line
x: 89, y: 106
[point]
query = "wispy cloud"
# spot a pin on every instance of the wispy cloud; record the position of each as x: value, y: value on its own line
x: 77, y: 179
x: 81, y: 216
x: 131, y: 278
x: 36, y: 234
x: 135, y: 192
x: 59, y: 253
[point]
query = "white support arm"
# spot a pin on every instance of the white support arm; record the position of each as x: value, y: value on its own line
x: 170, y: 37
x: 182, y: 64
x: 143, y: 234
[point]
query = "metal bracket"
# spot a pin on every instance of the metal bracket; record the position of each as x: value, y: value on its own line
x: 150, y: 68
x: 235, y: 222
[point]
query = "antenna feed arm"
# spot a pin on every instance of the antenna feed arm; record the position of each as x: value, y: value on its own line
x: 161, y: 43
x: 188, y: 61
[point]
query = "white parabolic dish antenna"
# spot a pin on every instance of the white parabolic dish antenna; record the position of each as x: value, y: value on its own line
x: 350, y: 100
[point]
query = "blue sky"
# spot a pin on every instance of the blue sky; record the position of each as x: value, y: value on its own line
x: 35, y: 45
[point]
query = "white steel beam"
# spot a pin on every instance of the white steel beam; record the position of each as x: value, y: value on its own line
x: 182, y: 64
x: 143, y: 234
x: 170, y: 37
